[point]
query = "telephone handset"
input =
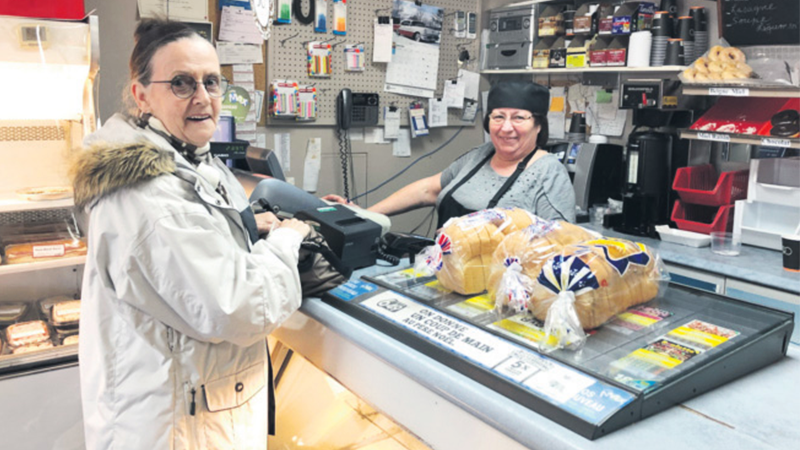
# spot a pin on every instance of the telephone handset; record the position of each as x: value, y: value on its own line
x: 344, y: 109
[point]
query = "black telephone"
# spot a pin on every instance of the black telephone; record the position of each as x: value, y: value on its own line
x: 398, y: 245
x: 344, y: 109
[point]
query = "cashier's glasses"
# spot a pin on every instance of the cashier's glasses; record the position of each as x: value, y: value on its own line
x: 184, y: 86
x: 517, y: 119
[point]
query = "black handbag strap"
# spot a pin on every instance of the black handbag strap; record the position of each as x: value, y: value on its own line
x: 507, y: 185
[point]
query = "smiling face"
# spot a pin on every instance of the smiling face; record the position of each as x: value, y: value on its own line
x: 513, y: 139
x: 192, y: 120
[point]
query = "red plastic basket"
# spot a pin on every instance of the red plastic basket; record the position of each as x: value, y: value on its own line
x: 702, y: 219
x: 701, y: 185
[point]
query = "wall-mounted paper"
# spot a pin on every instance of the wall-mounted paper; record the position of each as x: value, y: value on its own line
x: 312, y: 164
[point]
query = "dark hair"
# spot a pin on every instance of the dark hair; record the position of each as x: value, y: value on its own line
x: 151, y: 35
x: 544, y: 131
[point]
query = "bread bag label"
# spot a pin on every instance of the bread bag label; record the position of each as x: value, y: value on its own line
x: 567, y: 273
x: 48, y: 251
x: 616, y: 254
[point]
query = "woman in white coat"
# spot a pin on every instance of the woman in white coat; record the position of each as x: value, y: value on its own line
x: 177, y: 299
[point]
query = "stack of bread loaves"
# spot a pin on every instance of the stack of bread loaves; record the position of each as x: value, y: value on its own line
x: 468, y: 242
x: 719, y: 64
x: 605, y: 276
x: 518, y: 260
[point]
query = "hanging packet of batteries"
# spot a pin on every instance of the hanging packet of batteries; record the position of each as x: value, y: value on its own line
x: 283, y: 98
x: 417, y: 120
x: 340, y: 17
x: 307, y: 103
x: 321, y: 19
x: 319, y: 60
x: 284, y: 11
x: 354, y: 58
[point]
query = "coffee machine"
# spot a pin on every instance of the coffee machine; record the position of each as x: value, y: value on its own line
x: 596, y: 171
x: 651, y: 159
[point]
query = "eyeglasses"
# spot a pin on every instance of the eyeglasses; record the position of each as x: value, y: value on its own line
x: 499, y: 119
x: 184, y: 86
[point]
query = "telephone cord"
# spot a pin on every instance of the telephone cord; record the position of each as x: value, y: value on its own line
x: 343, y: 140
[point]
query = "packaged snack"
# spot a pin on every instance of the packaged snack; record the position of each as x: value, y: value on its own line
x: 27, y: 333
x: 463, y: 251
x: 519, y: 258
x: 72, y: 339
x: 46, y: 304
x: 66, y: 314
x: 589, y: 283
x: 43, y: 250
x: 12, y: 312
x: 32, y: 348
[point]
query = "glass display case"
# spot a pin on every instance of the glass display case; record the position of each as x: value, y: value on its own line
x: 655, y: 355
x: 48, y: 69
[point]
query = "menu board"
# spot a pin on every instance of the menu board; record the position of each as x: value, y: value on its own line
x: 760, y: 22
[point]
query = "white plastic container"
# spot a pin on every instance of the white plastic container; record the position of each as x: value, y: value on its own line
x: 762, y: 224
x: 775, y: 180
x: 683, y: 237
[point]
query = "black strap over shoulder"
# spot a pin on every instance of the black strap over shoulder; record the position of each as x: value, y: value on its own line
x: 510, y: 181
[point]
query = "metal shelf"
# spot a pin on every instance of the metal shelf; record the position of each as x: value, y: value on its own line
x: 8, y: 205
x: 49, y: 264
x: 585, y: 69
x: 740, y: 138
x: 742, y: 91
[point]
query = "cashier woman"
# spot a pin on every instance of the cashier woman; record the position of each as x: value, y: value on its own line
x: 510, y: 171
x: 177, y: 300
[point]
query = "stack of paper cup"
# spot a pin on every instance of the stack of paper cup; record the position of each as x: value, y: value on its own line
x: 662, y: 30
x: 686, y: 32
x: 698, y: 15
x: 639, y: 49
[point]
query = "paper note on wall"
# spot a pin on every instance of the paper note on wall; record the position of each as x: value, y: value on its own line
x: 237, y: 25
x: 382, y: 45
x: 312, y: 164
x: 237, y: 53
x: 402, y: 146
x: 438, y: 113
x: 283, y: 150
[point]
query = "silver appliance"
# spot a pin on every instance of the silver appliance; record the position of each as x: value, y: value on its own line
x: 512, y: 32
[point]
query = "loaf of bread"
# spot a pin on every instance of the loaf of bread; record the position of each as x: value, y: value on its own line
x: 468, y: 242
x: 520, y: 256
x: 39, y: 251
x: 606, y: 276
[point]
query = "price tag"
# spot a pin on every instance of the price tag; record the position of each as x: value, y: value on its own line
x: 729, y: 92
x: 772, y: 142
x: 48, y: 251
x: 714, y: 137
x: 559, y: 383
x: 521, y: 366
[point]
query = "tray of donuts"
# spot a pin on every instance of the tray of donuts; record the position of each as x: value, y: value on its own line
x: 720, y: 65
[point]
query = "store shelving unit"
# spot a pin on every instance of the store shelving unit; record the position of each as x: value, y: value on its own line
x: 16, y: 205
x: 731, y: 138
x: 742, y: 91
x: 44, y: 265
x: 674, y: 69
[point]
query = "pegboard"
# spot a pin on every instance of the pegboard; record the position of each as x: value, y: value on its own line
x: 286, y: 57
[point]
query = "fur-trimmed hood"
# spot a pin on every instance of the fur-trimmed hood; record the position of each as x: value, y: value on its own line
x: 104, y: 168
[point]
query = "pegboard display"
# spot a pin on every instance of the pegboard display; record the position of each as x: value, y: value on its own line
x: 287, y: 58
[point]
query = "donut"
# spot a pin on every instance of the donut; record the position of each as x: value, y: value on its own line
x: 785, y: 117
x: 729, y: 75
x: 744, y: 68
x: 715, y: 67
x: 786, y: 130
x: 701, y: 65
x: 690, y: 74
x: 701, y: 77
x: 732, y: 54
x: 741, y: 75
x: 715, y: 76
x: 714, y: 53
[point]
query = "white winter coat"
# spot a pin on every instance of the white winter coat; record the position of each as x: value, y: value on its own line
x: 175, y: 309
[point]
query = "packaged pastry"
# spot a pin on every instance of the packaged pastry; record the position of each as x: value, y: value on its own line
x: 27, y: 333
x: 38, y: 194
x: 43, y: 250
x: 72, y: 339
x: 519, y: 258
x: 66, y: 313
x: 12, y: 312
x: 589, y: 283
x: 31, y: 348
x: 46, y: 304
x: 464, y: 246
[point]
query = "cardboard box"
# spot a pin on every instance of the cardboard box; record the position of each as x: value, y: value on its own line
x: 633, y: 16
x: 617, y: 53
x: 558, y: 54
x: 577, y: 52
x: 585, y: 21
x: 598, y: 53
x: 541, y: 55
x: 605, y: 15
x: 551, y: 21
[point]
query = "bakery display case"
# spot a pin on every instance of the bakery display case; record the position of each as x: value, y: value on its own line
x: 48, y: 69
x: 646, y: 359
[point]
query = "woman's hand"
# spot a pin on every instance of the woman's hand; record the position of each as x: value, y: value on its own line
x: 296, y: 225
x: 266, y: 222
x: 336, y: 199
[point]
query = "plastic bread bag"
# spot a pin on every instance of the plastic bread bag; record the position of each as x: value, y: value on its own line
x: 606, y: 277
x: 721, y: 64
x: 429, y: 260
x: 519, y: 258
x: 468, y: 243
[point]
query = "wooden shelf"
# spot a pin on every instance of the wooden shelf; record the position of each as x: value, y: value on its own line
x: 585, y: 69
x: 740, y: 138
x: 8, y: 205
x: 8, y: 269
x: 742, y: 91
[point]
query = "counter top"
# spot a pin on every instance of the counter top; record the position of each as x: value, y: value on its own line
x: 758, y: 411
x: 754, y: 265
